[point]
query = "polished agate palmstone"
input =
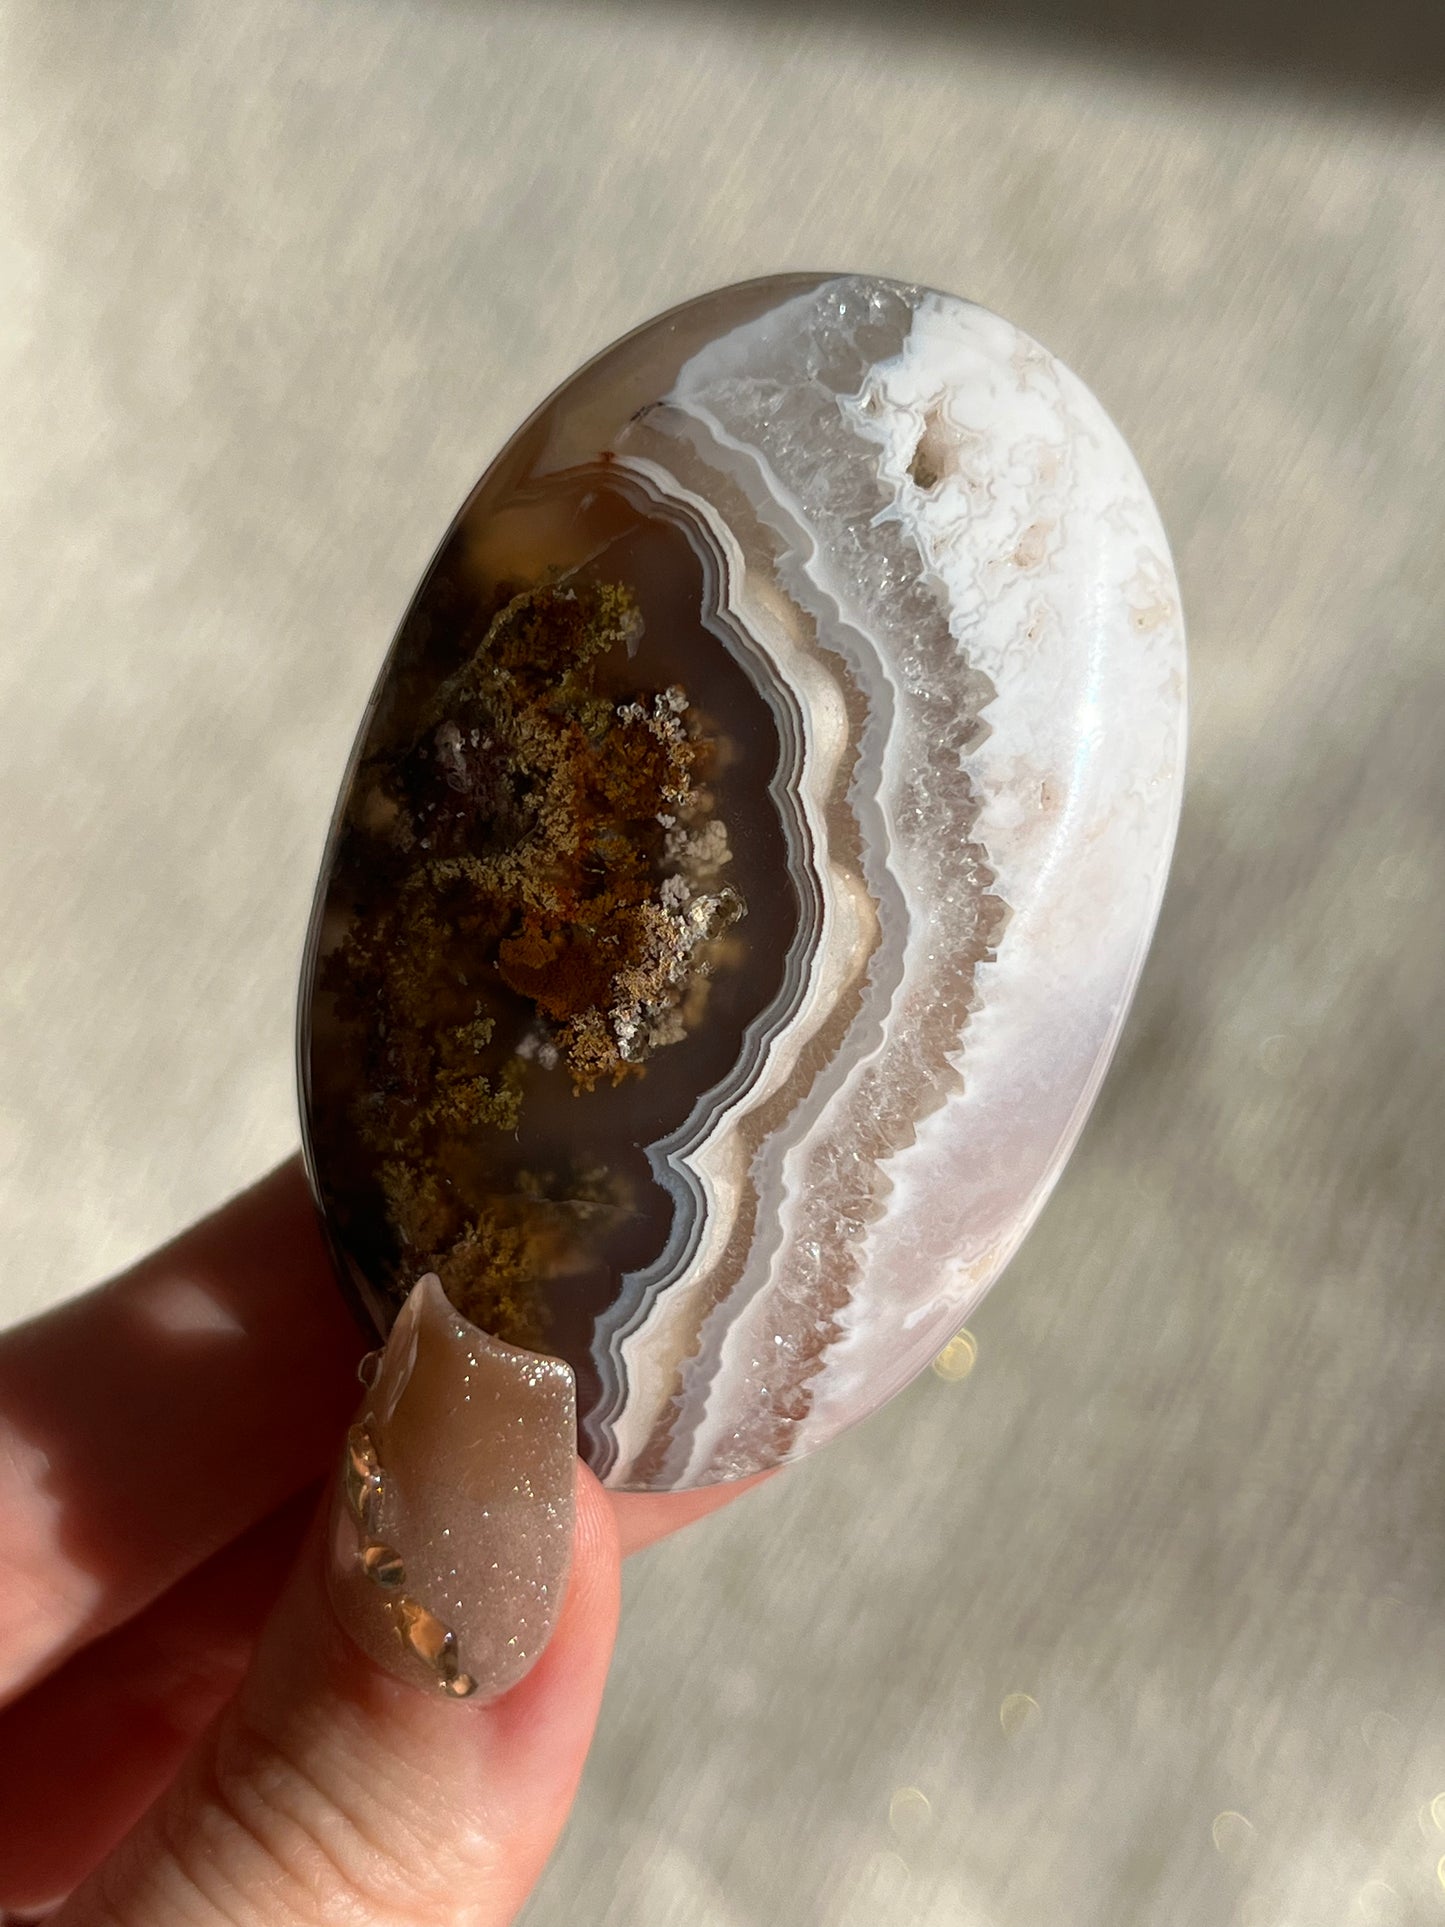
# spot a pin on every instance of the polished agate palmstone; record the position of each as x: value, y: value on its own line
x: 746, y: 863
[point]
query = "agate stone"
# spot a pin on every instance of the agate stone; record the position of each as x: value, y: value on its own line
x: 746, y: 863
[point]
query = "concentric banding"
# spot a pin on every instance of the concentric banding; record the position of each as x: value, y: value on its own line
x: 934, y: 559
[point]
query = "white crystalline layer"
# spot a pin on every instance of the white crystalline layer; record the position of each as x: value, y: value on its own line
x: 1060, y: 586
x: 999, y: 494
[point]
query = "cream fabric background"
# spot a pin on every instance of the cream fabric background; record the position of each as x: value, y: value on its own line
x: 277, y: 278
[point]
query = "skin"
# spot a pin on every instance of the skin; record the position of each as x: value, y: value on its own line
x: 201, y: 1742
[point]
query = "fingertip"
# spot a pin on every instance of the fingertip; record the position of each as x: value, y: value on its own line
x: 570, y: 1674
x: 429, y: 1805
x: 597, y: 1549
x: 643, y: 1518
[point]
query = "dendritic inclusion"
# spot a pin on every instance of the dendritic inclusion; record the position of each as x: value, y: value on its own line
x: 746, y: 863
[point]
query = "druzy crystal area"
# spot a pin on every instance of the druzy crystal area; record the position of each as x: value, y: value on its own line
x: 746, y: 862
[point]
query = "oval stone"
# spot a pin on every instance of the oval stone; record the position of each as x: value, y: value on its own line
x: 745, y: 864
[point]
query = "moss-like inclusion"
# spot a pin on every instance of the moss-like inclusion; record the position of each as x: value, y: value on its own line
x: 535, y: 880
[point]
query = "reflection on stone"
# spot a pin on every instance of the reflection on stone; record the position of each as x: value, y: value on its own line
x: 746, y: 864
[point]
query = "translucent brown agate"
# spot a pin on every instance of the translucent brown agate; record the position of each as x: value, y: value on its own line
x: 745, y: 864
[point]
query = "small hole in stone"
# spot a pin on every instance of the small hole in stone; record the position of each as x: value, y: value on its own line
x: 930, y: 457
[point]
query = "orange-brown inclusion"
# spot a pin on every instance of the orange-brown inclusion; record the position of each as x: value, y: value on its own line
x: 533, y: 957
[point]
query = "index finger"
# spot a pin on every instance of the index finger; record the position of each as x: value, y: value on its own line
x: 151, y: 1422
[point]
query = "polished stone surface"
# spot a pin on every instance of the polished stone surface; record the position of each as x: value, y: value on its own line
x: 746, y: 862
x: 1188, y: 1499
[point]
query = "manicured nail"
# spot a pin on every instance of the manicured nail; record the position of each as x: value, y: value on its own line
x: 452, y: 1525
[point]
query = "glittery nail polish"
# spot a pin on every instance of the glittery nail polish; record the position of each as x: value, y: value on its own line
x: 451, y: 1529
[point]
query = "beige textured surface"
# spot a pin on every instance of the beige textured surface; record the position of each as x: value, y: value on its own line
x: 276, y: 279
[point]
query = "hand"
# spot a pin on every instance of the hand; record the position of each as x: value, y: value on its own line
x: 188, y: 1734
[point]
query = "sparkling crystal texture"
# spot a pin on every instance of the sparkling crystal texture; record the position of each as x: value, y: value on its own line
x: 746, y: 863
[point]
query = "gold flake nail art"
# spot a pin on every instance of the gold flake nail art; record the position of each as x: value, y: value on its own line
x: 419, y: 1630
x: 454, y: 1520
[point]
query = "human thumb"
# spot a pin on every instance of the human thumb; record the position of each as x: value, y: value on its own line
x: 407, y: 1743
